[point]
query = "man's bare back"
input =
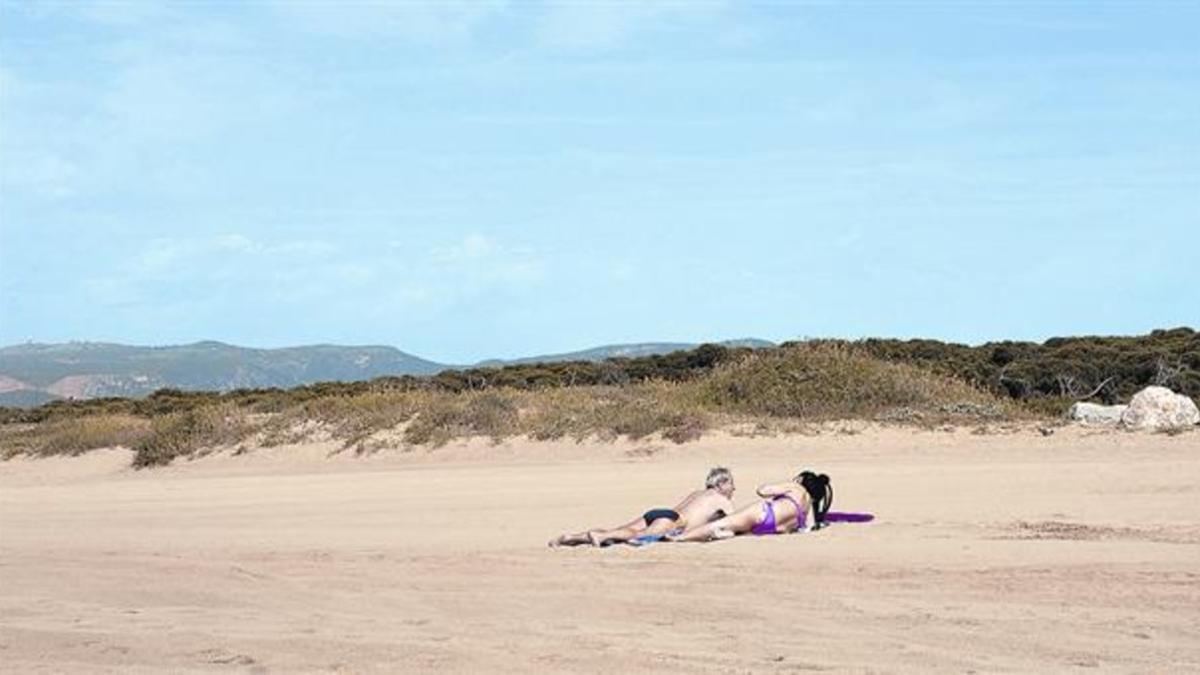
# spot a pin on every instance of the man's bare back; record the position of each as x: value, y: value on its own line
x: 702, y: 506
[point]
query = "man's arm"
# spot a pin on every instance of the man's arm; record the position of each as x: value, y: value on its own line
x: 718, y: 507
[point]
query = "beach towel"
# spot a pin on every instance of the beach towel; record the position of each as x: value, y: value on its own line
x: 848, y: 517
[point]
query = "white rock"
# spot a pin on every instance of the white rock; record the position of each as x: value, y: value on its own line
x: 1160, y: 408
x: 1094, y: 414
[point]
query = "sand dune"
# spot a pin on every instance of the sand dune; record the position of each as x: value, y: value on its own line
x: 1003, y: 552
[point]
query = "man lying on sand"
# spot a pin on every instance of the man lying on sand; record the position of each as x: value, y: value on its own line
x: 697, y: 508
x: 784, y: 508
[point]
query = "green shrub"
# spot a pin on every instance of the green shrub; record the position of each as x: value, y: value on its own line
x: 1107, y: 369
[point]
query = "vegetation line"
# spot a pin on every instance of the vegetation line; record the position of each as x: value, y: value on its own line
x: 677, y: 395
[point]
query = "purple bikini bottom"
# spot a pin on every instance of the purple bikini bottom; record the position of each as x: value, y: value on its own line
x: 767, y: 526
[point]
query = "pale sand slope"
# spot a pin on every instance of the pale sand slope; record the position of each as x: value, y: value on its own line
x: 285, y: 561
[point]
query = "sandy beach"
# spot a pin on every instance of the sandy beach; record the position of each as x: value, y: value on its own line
x: 1001, y: 552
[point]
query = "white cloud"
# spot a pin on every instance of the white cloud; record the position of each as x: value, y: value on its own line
x: 49, y: 176
x: 126, y: 13
x: 420, y: 22
x: 302, y: 248
x: 30, y: 167
x: 183, y: 257
x: 596, y: 24
x: 305, y: 270
x: 116, y: 13
x: 353, y: 274
x: 130, y: 103
x: 480, y: 260
x: 163, y: 254
x: 623, y: 271
x: 472, y: 247
x: 157, y: 95
x: 849, y: 238
x: 111, y: 292
x: 235, y: 242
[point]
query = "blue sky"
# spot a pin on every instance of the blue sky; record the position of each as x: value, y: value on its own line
x: 496, y: 179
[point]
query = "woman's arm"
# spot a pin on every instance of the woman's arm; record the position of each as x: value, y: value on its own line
x: 768, y: 490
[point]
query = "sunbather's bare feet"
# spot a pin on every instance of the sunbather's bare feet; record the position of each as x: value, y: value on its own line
x: 557, y: 541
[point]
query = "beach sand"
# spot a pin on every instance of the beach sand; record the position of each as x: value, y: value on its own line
x: 990, y: 552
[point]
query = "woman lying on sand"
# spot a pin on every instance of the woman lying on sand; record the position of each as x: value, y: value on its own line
x: 783, y: 509
x: 698, y: 507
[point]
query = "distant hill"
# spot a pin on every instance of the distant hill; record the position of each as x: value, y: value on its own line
x: 32, y: 374
x: 629, y: 351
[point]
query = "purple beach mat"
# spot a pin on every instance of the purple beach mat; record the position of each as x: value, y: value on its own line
x: 848, y: 517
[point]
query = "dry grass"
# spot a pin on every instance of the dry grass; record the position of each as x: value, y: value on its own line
x: 72, y: 436
x: 635, y: 411
x: 494, y: 413
x: 183, y: 433
x: 347, y: 418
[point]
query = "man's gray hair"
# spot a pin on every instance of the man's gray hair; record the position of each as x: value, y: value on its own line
x: 717, y: 476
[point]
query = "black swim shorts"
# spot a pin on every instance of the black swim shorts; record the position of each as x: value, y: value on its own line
x: 658, y: 514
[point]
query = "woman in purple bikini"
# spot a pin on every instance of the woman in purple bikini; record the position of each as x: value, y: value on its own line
x: 784, y: 508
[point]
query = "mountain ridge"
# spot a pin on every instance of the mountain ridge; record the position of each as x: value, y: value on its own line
x: 35, y: 373
x: 625, y: 350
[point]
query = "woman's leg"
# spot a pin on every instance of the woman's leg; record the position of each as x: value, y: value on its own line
x: 739, y: 522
